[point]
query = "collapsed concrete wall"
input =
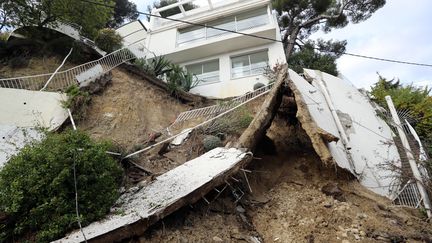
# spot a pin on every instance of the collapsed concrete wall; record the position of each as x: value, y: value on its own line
x: 24, y: 112
x: 366, y: 147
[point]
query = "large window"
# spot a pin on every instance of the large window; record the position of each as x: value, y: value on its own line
x: 239, y: 22
x: 250, y: 64
x: 205, y: 71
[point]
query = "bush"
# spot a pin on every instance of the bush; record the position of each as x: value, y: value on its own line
x: 37, y: 186
x: 77, y: 101
x: 178, y: 78
x: 156, y: 67
x: 108, y: 40
x: 211, y: 142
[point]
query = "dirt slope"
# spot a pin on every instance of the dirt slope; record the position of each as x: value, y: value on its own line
x: 129, y: 109
x: 287, y: 204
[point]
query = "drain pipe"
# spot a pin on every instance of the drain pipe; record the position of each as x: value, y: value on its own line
x: 414, y: 168
x: 339, y: 126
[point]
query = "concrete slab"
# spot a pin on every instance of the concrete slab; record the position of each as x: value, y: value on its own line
x: 370, y: 147
x: 165, y: 194
x: 23, y: 113
x: 26, y: 108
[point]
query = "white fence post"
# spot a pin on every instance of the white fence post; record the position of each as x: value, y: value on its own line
x: 410, y: 156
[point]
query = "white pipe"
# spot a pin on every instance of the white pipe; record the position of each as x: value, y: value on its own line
x: 54, y: 73
x: 411, y: 160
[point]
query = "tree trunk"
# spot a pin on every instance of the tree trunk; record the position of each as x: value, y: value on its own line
x: 290, y: 42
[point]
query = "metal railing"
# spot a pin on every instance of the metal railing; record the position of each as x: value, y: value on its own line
x: 76, y: 75
x: 409, y: 195
x: 216, y: 109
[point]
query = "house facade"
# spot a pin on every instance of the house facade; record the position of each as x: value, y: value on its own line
x: 226, y: 63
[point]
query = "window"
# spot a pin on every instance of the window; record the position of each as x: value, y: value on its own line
x: 205, y: 71
x: 250, y: 64
x: 239, y: 22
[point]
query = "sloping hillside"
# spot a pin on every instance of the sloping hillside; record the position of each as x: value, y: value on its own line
x: 288, y: 203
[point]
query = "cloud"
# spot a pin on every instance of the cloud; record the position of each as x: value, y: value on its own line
x: 397, y: 31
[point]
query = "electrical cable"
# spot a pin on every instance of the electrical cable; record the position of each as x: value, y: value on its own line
x: 259, y: 37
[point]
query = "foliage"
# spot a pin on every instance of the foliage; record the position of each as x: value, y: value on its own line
x: 41, y: 13
x: 271, y: 72
x: 298, y: 19
x: 77, y: 101
x: 414, y: 99
x: 4, y: 36
x: 178, y: 78
x: 211, y: 142
x: 172, y: 11
x: 325, y: 60
x: 156, y: 67
x: 37, y: 186
x: 124, y: 11
x: 108, y: 40
x: 232, y: 123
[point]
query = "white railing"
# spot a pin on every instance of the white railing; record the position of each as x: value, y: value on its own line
x: 409, y: 195
x: 79, y: 75
x: 237, y: 24
x: 214, y: 110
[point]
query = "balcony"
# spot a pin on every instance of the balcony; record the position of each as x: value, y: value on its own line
x: 239, y: 22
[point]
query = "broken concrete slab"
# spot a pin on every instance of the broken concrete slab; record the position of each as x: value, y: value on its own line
x: 141, y: 207
x: 13, y: 139
x: 369, y: 151
x: 24, y: 112
x: 26, y: 108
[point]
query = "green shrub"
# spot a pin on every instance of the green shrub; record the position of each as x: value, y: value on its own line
x: 211, y: 142
x: 77, y: 100
x: 233, y: 123
x: 156, y: 67
x: 178, y: 78
x: 37, y: 186
x: 108, y: 40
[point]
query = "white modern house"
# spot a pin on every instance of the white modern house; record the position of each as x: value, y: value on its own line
x: 228, y: 64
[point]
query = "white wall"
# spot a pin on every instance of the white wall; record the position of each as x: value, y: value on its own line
x: 228, y: 87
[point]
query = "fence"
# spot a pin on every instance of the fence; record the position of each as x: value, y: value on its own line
x: 216, y: 109
x: 409, y: 196
x: 77, y: 75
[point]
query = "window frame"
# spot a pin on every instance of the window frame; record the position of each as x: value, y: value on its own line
x: 248, y: 54
x: 201, y: 81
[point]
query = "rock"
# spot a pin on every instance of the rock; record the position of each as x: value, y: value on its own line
x: 276, y: 239
x: 362, y: 233
x: 217, y: 239
x: 361, y: 216
x: 332, y: 189
x: 240, y: 209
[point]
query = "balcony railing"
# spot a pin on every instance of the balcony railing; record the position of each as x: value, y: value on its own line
x: 238, y: 24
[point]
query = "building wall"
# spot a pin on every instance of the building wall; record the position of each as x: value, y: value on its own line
x: 162, y: 40
x: 227, y: 86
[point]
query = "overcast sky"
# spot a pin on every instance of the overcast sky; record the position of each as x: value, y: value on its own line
x: 401, y: 30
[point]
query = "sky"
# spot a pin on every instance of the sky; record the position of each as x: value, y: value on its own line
x: 401, y: 30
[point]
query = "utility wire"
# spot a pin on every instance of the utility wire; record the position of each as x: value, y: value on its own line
x: 257, y: 36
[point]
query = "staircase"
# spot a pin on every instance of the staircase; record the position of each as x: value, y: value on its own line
x: 80, y: 75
